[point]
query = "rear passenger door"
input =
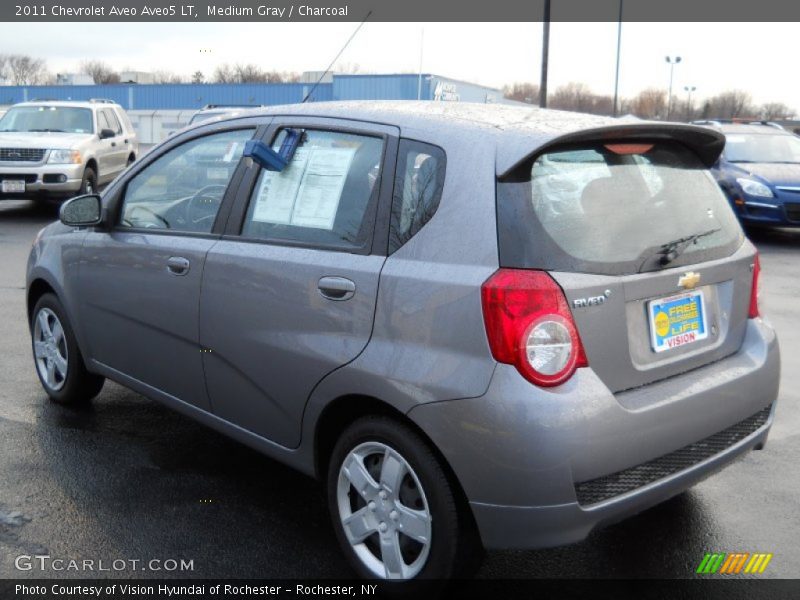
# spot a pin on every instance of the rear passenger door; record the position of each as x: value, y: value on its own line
x: 119, y: 149
x: 289, y: 293
x: 106, y: 149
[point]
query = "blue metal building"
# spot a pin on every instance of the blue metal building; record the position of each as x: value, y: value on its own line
x: 193, y: 96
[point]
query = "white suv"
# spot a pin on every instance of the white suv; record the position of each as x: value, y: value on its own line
x: 63, y: 148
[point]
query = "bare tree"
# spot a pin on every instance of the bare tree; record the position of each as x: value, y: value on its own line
x: 522, y: 92
x: 4, y: 66
x: 775, y: 110
x: 649, y: 104
x: 249, y: 73
x: 166, y: 77
x: 348, y: 68
x: 575, y: 96
x: 198, y: 77
x: 224, y: 74
x: 101, y: 72
x: 730, y: 104
x: 26, y: 70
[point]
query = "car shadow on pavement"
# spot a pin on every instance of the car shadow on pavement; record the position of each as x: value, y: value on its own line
x: 144, y: 480
x: 665, y: 541
x: 29, y: 211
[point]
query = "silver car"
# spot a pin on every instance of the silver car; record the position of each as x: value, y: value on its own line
x: 479, y: 326
x: 57, y: 149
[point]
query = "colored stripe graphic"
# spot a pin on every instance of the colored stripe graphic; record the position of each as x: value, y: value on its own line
x: 758, y: 563
x: 732, y: 563
x: 711, y: 562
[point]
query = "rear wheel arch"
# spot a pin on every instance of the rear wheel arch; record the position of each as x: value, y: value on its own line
x: 343, y: 411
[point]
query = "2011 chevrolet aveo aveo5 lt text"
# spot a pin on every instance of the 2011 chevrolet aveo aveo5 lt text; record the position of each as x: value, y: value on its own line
x: 480, y: 326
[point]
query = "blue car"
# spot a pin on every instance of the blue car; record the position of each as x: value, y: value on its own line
x: 759, y: 171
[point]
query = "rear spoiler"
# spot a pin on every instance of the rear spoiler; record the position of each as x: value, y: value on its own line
x: 705, y: 142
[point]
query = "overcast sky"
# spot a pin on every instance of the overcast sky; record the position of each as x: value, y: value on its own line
x: 759, y: 57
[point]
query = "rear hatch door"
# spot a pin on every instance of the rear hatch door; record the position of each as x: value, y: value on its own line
x: 646, y: 248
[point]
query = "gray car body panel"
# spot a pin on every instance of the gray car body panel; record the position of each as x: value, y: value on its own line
x: 513, y: 447
x: 524, y: 448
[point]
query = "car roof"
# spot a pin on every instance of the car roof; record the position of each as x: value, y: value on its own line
x: 752, y: 128
x: 515, y: 131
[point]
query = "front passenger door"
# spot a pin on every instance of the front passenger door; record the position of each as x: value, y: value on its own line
x: 140, y: 281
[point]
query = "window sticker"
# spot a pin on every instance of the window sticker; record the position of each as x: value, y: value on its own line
x: 308, y: 191
x: 278, y: 191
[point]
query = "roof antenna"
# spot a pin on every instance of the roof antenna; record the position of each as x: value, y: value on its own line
x: 330, y: 66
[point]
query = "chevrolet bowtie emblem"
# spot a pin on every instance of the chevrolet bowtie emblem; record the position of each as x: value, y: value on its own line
x: 689, y: 280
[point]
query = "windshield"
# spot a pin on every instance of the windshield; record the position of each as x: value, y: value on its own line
x: 763, y: 148
x: 65, y: 119
x: 615, y: 209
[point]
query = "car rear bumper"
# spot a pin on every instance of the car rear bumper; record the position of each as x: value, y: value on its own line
x: 545, y: 467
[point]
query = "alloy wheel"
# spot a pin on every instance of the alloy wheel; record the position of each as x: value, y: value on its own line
x: 50, y: 349
x: 384, y: 512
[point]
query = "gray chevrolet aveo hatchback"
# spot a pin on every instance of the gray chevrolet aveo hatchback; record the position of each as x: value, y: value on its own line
x: 480, y: 326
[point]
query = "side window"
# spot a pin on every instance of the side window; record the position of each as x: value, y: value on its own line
x: 418, y: 184
x: 182, y: 190
x: 327, y: 195
x: 113, y: 122
x: 102, y: 121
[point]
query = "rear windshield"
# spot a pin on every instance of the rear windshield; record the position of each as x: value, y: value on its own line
x: 762, y: 148
x: 614, y: 209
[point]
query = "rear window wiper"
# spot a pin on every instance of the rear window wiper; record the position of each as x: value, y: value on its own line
x: 669, y: 251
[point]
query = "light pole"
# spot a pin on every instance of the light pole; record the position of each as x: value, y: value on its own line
x: 545, y: 53
x: 672, y: 62
x: 616, y: 76
x: 689, y: 89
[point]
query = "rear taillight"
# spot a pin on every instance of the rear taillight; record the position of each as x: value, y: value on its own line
x: 755, y: 290
x: 530, y: 326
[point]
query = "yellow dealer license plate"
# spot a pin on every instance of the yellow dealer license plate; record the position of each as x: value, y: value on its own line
x: 676, y: 321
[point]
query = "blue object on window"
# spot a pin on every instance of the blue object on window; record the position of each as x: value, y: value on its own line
x: 267, y: 157
x: 264, y: 155
x: 290, y: 143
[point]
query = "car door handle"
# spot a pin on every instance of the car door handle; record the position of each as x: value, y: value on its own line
x: 126, y: 141
x: 177, y: 265
x: 113, y: 144
x: 336, y: 288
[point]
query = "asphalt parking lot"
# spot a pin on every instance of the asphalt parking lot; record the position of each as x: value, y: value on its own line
x: 128, y: 479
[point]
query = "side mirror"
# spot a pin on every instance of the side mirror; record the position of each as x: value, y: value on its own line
x: 82, y: 211
x: 107, y: 133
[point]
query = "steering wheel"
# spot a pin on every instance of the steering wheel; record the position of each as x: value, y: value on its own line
x: 204, y: 202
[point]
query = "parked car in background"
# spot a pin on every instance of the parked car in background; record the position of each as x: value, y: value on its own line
x: 57, y: 149
x: 479, y: 325
x: 759, y: 171
x: 209, y: 111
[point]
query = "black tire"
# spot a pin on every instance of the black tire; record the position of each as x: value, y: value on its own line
x: 131, y: 160
x: 78, y: 385
x: 455, y: 549
x: 89, y: 182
